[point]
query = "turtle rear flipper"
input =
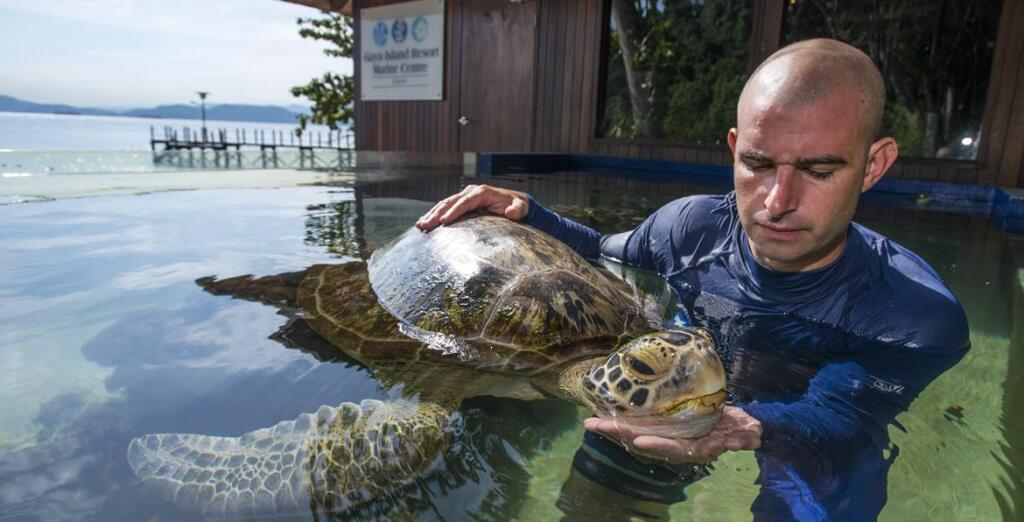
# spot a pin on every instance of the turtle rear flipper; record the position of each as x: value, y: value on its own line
x: 327, y: 461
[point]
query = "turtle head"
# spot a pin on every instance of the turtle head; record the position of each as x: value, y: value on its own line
x: 669, y: 383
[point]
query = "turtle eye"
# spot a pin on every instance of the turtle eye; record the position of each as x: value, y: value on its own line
x: 641, y: 367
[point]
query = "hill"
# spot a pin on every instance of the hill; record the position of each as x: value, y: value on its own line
x: 12, y: 104
x: 223, y: 112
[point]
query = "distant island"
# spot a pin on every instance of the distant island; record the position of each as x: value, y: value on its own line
x: 222, y: 112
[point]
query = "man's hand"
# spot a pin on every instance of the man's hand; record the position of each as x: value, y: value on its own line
x: 735, y: 431
x: 504, y: 202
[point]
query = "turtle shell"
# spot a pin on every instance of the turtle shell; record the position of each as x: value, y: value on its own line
x: 488, y: 283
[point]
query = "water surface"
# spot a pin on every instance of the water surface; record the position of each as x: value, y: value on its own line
x: 105, y: 336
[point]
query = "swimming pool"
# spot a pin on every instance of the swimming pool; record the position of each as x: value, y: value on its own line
x: 106, y: 336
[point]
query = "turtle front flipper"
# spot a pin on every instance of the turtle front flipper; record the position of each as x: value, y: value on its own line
x: 277, y: 290
x: 324, y: 462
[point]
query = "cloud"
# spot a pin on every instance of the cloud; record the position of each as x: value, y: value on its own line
x: 148, y: 52
x: 223, y: 20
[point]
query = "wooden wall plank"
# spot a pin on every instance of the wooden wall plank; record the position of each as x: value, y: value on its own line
x: 555, y: 59
x: 569, y: 85
x: 1013, y: 151
x: 578, y: 62
x: 540, y: 116
x: 583, y: 107
x: 966, y: 174
x: 895, y: 172
x: 600, y: 10
x: 766, y: 32
x: 946, y: 172
x: 453, y: 77
x: 540, y: 77
x: 1001, y: 89
x: 552, y: 52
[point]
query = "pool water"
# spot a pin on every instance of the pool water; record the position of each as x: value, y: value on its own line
x: 105, y: 336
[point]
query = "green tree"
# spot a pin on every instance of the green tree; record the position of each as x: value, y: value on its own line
x: 675, y: 69
x: 935, y: 56
x: 331, y: 94
x: 704, y: 65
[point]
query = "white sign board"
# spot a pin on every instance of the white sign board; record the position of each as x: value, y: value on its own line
x: 401, y: 54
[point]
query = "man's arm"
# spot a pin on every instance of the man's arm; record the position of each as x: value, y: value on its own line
x: 519, y: 206
x: 657, y: 244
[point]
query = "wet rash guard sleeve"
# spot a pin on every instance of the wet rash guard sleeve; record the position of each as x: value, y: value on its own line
x: 651, y: 245
x: 825, y: 455
x: 849, y: 404
x: 878, y: 362
x: 581, y: 238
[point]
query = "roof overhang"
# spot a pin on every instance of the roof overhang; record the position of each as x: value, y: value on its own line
x: 336, y: 6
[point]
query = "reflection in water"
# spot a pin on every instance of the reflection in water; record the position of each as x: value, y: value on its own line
x: 535, y: 320
x: 166, y: 357
x: 336, y: 227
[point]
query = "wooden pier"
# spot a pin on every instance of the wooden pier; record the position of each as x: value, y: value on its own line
x: 222, y: 140
x: 250, y: 148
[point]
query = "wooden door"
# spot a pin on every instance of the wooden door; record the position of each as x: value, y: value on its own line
x: 496, y: 75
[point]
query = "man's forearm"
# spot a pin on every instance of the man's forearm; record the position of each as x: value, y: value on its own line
x: 581, y: 238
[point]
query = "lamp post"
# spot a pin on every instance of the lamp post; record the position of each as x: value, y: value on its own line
x: 202, y: 105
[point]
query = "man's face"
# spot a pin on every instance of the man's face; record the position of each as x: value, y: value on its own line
x: 798, y: 175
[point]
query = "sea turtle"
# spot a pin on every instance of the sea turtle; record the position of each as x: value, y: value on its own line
x: 485, y: 306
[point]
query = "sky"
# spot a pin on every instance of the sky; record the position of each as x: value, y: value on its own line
x: 141, y: 53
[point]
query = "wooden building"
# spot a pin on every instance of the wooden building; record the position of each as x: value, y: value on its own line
x: 527, y: 76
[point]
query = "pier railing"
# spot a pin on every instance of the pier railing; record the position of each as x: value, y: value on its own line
x: 222, y: 139
x: 188, y: 148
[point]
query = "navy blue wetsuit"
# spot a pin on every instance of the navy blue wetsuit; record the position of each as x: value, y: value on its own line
x: 824, y: 359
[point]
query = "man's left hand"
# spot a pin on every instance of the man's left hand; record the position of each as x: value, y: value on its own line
x: 735, y: 431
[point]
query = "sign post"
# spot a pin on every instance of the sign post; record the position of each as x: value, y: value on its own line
x: 402, y: 51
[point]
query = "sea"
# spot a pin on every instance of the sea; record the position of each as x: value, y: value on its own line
x: 69, y: 132
x: 47, y: 156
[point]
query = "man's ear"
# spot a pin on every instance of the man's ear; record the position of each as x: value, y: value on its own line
x: 731, y: 138
x: 881, y: 155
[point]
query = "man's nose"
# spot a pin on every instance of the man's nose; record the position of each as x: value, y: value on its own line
x: 783, y: 195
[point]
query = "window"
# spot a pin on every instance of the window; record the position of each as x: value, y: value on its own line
x: 674, y: 69
x: 935, y: 56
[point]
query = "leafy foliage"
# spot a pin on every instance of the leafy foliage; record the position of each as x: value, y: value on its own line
x: 691, y: 59
x: 675, y: 69
x: 331, y: 94
x: 935, y: 57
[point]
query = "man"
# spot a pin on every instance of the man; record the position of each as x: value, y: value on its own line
x: 829, y: 329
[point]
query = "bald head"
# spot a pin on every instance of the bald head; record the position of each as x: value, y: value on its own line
x: 806, y: 72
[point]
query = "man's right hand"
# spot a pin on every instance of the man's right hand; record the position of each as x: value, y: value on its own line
x: 737, y: 430
x: 504, y: 202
